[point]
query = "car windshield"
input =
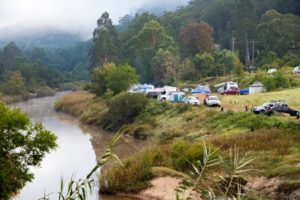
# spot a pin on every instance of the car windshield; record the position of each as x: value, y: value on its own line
x: 267, y: 104
x: 213, y: 98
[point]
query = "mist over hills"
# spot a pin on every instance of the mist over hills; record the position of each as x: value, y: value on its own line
x: 39, y: 38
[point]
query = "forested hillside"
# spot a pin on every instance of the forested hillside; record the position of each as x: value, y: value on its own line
x: 204, y: 38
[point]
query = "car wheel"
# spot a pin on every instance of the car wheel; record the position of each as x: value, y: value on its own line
x: 163, y: 99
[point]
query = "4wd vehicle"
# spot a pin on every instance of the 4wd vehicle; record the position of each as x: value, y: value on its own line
x: 212, y: 101
x: 275, y: 106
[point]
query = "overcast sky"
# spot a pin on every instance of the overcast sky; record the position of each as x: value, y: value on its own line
x: 73, y: 15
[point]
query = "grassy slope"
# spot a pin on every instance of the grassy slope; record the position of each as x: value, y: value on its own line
x: 292, y: 96
x: 276, y: 149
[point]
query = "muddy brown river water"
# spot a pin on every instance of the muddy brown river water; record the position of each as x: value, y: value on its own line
x: 79, y: 146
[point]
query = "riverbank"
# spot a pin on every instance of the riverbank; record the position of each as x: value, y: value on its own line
x: 176, y: 133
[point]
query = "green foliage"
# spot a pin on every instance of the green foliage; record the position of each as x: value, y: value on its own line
x: 123, y: 109
x: 133, y: 176
x: 245, y: 23
x: 275, y: 81
x: 15, y: 85
x: 23, y: 145
x: 120, y: 78
x: 105, y: 47
x: 164, y: 67
x: 112, y: 79
x: 247, y: 120
x: 196, y: 38
x: 204, y: 64
x: 279, y: 31
x: 183, y: 154
x: 146, y: 42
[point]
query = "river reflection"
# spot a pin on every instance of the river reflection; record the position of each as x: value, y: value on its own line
x: 78, y: 148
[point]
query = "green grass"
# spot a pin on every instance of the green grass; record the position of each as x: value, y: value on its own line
x: 165, y: 171
x: 291, y: 96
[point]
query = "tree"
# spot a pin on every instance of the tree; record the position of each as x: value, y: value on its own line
x: 123, y: 109
x: 134, y: 26
x: 163, y: 67
x: 187, y: 70
x: 98, y: 85
x: 204, y: 64
x: 105, y: 47
x: 245, y: 22
x: 23, y: 145
x: 227, y: 62
x: 15, y: 84
x: 196, y: 38
x: 10, y: 54
x: 280, y: 32
x: 152, y: 37
x: 112, y: 78
x: 120, y: 78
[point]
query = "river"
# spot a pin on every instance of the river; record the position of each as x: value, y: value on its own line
x: 79, y: 146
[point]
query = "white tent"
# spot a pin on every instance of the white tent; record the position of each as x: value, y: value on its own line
x: 256, y: 87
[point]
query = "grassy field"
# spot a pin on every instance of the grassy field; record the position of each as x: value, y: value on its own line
x: 291, y: 96
x: 273, y: 141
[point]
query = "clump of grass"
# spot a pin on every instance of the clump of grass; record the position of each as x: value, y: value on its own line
x: 230, y: 120
x: 288, y: 171
x: 138, y: 131
x: 74, y: 103
x: 165, y: 171
x: 265, y: 140
x: 132, y: 177
x: 139, y: 169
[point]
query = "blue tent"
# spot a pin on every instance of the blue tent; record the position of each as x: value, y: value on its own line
x: 201, y: 89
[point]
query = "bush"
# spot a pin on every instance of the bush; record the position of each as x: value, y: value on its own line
x: 131, y: 177
x: 184, y: 153
x: 45, y: 91
x: 124, y: 109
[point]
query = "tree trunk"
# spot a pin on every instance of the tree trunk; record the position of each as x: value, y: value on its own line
x: 247, y: 53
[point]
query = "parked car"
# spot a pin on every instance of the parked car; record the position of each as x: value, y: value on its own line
x: 285, y: 109
x: 296, y: 70
x: 164, y: 97
x: 266, y: 108
x: 230, y: 91
x: 271, y: 71
x: 153, y: 95
x: 212, y: 101
x: 273, y: 106
x: 244, y: 91
x: 174, y: 97
x: 191, y: 100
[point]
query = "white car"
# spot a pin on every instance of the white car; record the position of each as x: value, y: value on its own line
x: 212, y: 101
x: 271, y: 71
x: 191, y: 100
x: 296, y: 70
x: 164, y: 97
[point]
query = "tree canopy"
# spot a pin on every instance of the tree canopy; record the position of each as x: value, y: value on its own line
x: 23, y: 145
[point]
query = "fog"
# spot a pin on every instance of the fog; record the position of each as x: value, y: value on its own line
x: 76, y: 16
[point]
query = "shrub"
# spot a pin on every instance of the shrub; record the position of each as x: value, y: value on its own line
x: 124, y: 109
x: 133, y: 176
x: 45, y: 91
x: 184, y: 153
x: 74, y: 103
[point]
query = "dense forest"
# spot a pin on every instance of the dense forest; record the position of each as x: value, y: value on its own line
x: 204, y: 38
